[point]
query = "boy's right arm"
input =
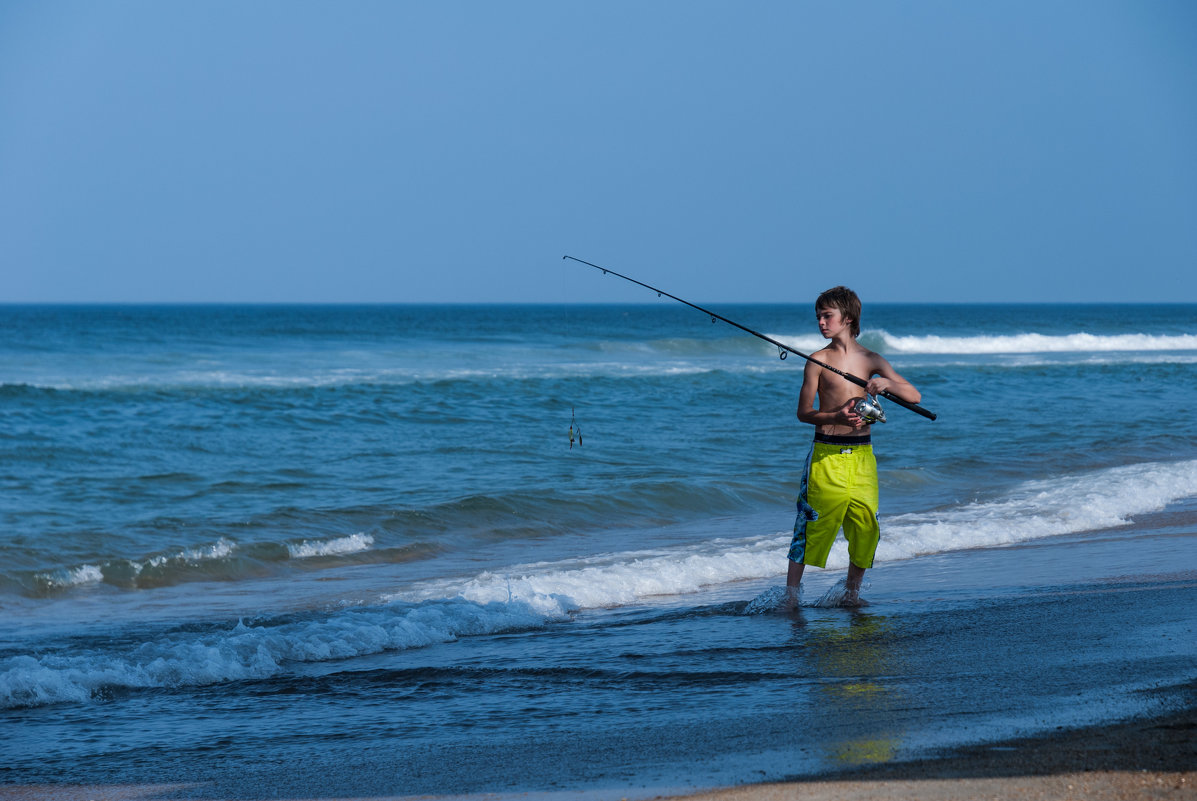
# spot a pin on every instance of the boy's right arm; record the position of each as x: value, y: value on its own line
x: 808, y: 393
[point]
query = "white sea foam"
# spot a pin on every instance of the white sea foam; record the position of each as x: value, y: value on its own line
x: 1063, y: 505
x: 354, y: 543
x: 221, y: 549
x: 617, y: 579
x: 73, y: 576
x: 197, y: 557
x: 131, y: 570
x: 252, y: 651
x: 983, y: 344
x: 1037, y: 343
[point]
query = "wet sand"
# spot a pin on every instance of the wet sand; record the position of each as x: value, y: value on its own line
x: 1150, y: 758
x: 1142, y: 759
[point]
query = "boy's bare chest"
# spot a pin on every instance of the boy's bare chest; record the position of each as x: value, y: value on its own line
x: 834, y: 389
x: 851, y: 363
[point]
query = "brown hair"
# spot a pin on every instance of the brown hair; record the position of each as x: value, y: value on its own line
x: 844, y: 299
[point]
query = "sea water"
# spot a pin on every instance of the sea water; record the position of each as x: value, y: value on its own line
x: 264, y: 535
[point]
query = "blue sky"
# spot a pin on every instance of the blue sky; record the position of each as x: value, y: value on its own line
x: 455, y: 151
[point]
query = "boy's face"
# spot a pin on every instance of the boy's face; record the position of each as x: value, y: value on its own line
x: 831, y: 321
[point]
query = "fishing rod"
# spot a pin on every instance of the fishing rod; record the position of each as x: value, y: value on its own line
x: 782, y: 348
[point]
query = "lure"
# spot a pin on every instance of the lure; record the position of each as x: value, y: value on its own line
x: 574, y: 429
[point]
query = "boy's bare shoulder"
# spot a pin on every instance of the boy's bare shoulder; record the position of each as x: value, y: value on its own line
x: 877, y: 358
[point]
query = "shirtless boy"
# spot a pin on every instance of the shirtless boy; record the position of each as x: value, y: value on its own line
x: 839, y: 485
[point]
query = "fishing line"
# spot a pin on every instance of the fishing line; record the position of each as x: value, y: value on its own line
x: 575, y: 430
x: 782, y: 348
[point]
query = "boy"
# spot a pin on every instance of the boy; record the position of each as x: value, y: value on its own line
x: 839, y: 485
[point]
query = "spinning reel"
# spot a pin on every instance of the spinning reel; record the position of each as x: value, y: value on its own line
x: 869, y: 409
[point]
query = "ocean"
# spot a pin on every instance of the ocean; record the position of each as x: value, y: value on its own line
x: 278, y: 551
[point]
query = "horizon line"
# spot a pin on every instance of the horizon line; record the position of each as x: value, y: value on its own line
x: 382, y: 303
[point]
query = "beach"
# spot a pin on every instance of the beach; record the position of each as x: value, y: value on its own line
x: 431, y: 401
x: 351, y: 552
x: 887, y: 720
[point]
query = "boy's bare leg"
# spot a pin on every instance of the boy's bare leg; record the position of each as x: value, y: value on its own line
x: 852, y: 586
x: 793, y: 582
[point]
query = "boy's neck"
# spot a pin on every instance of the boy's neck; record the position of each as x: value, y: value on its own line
x: 843, y: 341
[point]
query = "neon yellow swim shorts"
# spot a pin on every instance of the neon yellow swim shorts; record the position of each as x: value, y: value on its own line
x: 839, y: 489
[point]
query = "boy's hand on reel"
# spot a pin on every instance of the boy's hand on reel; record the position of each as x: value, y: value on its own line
x: 848, y: 416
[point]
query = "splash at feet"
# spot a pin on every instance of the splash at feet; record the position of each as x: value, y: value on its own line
x: 781, y: 600
x: 839, y: 595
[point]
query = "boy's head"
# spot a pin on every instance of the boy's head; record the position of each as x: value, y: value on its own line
x: 844, y: 299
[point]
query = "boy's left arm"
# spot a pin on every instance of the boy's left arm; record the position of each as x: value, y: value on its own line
x: 886, y: 379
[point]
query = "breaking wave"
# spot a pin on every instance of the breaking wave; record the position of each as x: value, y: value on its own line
x: 536, y: 595
x: 1037, y: 343
x: 220, y: 560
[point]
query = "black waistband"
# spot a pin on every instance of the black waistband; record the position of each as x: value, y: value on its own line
x: 836, y: 439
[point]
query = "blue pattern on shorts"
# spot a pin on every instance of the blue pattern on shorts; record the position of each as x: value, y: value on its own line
x: 806, y: 514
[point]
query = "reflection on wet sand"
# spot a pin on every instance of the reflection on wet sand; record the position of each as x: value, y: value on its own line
x: 852, y: 661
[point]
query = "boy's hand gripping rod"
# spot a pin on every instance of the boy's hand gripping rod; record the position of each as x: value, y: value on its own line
x: 783, y: 349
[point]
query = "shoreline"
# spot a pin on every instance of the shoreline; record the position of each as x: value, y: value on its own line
x: 1116, y: 721
x: 1153, y: 757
